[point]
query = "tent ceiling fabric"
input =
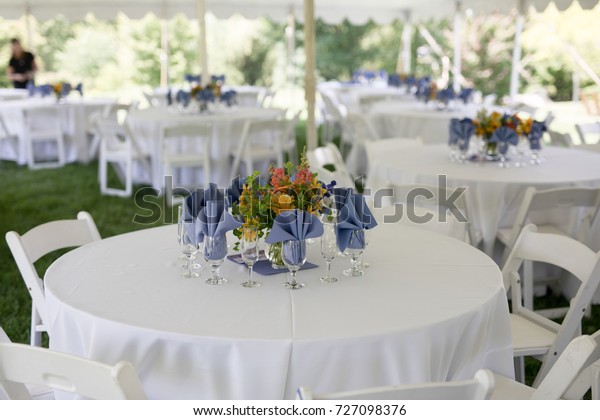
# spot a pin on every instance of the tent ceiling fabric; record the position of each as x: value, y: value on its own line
x: 357, y: 11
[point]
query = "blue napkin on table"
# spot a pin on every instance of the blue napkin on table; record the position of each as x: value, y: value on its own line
x: 394, y: 80
x: 505, y: 135
x: 31, y: 88
x: 229, y: 97
x: 183, y: 98
x: 214, y: 220
x: 79, y: 88
x: 294, y: 225
x: 197, y: 200
x: 445, y: 95
x: 190, y: 78
x: 66, y: 89
x: 205, y: 95
x: 235, y: 190
x: 353, y: 214
x: 535, y: 135
x: 215, y: 78
x: 460, y: 129
x: 411, y: 81
x: 466, y: 94
x: 45, y: 90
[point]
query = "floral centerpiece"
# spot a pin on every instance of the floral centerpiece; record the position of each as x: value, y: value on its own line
x: 288, y: 188
x: 62, y: 89
x: 486, y: 125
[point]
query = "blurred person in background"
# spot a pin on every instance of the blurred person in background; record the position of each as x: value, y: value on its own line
x: 21, y: 67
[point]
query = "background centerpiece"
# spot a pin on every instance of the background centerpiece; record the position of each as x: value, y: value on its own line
x: 288, y: 188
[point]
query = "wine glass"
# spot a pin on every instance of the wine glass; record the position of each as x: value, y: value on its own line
x: 183, y: 258
x: 503, y: 149
x: 215, y: 251
x: 463, y: 146
x: 521, y: 149
x: 355, y: 248
x: 535, y: 146
x: 249, y: 245
x: 189, y: 245
x: 329, y: 249
x: 294, y: 257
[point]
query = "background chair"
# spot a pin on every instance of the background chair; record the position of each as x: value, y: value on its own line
x: 260, y: 141
x: 37, y: 242
x: 327, y: 161
x: 478, y: 388
x: 119, y: 146
x: 21, y: 364
x: 115, y: 112
x: 588, y: 132
x: 533, y: 334
x: 578, y: 204
x: 43, y: 125
x: 560, y: 139
x: 7, y: 136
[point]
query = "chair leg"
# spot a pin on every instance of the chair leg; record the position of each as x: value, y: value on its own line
x: 519, y: 369
x: 36, y: 336
x: 128, y: 177
x: 102, y: 174
x: 528, y: 287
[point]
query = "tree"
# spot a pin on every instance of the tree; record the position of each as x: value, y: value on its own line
x: 57, y: 32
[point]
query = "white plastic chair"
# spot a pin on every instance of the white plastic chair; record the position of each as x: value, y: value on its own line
x: 575, y: 371
x: 560, y: 139
x: 533, y: 334
x: 22, y: 364
x: 6, y: 135
x: 116, y: 112
x: 187, y: 146
x: 39, y: 241
x: 478, y: 388
x: 119, y: 146
x: 260, y: 141
x: 334, y: 116
x: 330, y: 155
x: 586, y: 200
x: 156, y: 100
x: 586, y: 130
x: 43, y: 125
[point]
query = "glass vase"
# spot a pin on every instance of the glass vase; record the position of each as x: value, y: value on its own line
x: 274, y: 254
x: 491, y: 151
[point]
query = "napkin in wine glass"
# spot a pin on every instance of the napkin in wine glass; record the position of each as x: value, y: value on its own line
x: 197, y: 200
x: 235, y: 190
x: 505, y: 135
x: 535, y: 135
x: 294, y: 225
x: 215, y: 220
x: 353, y: 215
x: 460, y: 129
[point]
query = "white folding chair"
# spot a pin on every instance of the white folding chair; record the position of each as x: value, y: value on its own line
x: 260, y: 141
x: 560, y: 139
x: 478, y: 388
x: 12, y: 139
x: 587, y: 130
x: 119, y: 146
x: 334, y: 116
x: 43, y: 125
x: 290, y: 145
x: 186, y: 146
x: 266, y: 98
x: 437, y: 195
x: 156, y: 100
x: 327, y: 161
x: 22, y: 364
x: 39, y: 241
x: 582, y: 203
x: 533, y: 334
x: 575, y: 371
x: 117, y: 112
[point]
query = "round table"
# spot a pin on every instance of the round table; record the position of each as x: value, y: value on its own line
x: 147, y: 126
x: 494, y: 194
x: 429, y: 308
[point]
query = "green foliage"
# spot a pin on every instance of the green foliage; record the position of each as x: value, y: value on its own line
x: 145, y: 43
x: 56, y: 33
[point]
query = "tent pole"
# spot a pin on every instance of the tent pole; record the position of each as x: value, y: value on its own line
x: 28, y: 31
x: 456, y: 68
x: 309, y: 76
x: 404, y: 64
x: 516, y: 58
x: 290, y: 36
x: 202, y: 53
x: 164, y: 41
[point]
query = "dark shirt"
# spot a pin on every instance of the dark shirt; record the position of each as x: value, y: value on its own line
x: 21, y: 66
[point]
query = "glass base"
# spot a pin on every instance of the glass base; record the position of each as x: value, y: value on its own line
x: 353, y: 273
x: 293, y: 286
x: 364, y: 264
x: 189, y: 275
x: 251, y: 284
x: 276, y: 266
x: 215, y: 281
x: 328, y: 279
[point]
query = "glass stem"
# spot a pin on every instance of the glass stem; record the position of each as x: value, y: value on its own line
x: 293, y: 273
x: 328, y: 268
x: 215, y: 271
x: 250, y: 273
x: 190, y: 263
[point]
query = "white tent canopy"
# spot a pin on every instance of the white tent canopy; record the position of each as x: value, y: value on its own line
x: 357, y: 11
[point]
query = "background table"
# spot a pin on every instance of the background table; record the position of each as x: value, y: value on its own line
x: 494, y: 194
x: 429, y: 308
x: 74, y: 113
x: 147, y: 125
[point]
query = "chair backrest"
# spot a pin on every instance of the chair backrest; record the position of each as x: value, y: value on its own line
x: 4, y: 133
x: 43, y: 239
x: 568, y: 254
x: 270, y: 133
x: 23, y: 364
x: 560, y: 139
x: 585, y: 130
x: 114, y: 136
x: 361, y: 127
x: 570, y: 376
x: 567, y: 198
x: 329, y: 156
x: 333, y: 108
x: 118, y: 111
x: 156, y: 100
x: 478, y: 388
x: 43, y: 121
x: 198, y: 133
x: 438, y: 197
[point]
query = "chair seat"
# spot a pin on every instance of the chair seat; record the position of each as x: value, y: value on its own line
x: 257, y: 151
x: 507, y: 389
x: 503, y: 235
x: 529, y: 339
x: 185, y: 160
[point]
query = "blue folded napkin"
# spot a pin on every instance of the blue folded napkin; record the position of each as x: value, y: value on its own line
x: 466, y: 94
x: 234, y: 191
x: 31, y: 88
x: 229, y: 97
x: 353, y: 214
x: 394, y: 80
x: 216, y: 78
x: 461, y: 130
x: 169, y: 97
x: 183, y: 97
x: 197, y: 200
x: 79, y: 88
x: 535, y: 135
x: 45, y: 90
x: 66, y: 89
x: 294, y: 225
x: 205, y: 95
x: 411, y: 81
x: 190, y: 78
x: 505, y: 135
x: 446, y: 95
x: 215, y: 220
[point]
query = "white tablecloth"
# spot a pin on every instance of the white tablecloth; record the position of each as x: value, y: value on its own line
x: 429, y: 308
x: 148, y: 124
x: 74, y: 113
x: 494, y: 194
x: 12, y: 94
x: 418, y: 120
